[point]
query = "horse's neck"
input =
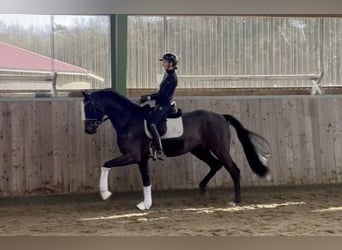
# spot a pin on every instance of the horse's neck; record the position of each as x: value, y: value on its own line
x: 118, y: 113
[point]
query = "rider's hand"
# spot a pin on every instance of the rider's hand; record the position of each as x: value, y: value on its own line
x: 144, y: 98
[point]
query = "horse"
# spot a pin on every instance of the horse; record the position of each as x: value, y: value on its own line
x: 206, y: 135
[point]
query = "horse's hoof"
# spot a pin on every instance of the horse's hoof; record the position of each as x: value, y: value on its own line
x: 203, y: 191
x: 141, y: 206
x: 232, y: 204
x: 105, y: 195
x: 268, y: 177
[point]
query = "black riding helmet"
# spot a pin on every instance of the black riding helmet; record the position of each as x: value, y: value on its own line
x: 170, y: 57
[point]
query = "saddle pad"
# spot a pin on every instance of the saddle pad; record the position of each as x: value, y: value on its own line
x: 174, y: 128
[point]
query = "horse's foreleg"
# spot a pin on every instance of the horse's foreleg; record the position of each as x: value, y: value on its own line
x: 145, y: 175
x: 105, y: 194
x: 119, y: 161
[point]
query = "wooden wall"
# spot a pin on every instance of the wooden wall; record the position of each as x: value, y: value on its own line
x: 43, y: 147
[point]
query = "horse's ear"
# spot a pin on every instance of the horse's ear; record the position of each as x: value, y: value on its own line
x: 85, y: 94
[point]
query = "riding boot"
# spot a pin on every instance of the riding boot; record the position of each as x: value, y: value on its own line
x: 157, y: 141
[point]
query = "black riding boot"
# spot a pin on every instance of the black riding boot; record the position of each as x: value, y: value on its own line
x: 157, y: 141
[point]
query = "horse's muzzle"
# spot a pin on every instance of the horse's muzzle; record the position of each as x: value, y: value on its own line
x: 90, y: 128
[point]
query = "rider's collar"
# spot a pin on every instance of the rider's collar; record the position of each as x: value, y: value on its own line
x: 170, y: 70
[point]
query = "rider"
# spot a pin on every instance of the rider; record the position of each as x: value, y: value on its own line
x: 163, y: 99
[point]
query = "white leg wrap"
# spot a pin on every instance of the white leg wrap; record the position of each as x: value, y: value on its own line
x: 268, y: 177
x: 105, y: 194
x: 147, y: 203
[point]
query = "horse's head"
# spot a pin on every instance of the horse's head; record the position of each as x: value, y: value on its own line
x: 93, y: 114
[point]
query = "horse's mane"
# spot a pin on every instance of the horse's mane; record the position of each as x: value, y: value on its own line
x: 111, y: 94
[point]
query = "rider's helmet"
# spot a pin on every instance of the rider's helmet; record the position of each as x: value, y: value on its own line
x: 170, y: 57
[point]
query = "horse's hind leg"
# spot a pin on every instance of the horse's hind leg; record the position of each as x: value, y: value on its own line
x: 234, y: 172
x: 204, y: 154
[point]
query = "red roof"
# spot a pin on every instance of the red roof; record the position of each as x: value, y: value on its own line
x: 15, y: 58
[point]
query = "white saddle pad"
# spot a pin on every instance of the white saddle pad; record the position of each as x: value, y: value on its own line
x: 174, y: 128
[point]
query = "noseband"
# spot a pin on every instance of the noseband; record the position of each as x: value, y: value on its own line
x: 96, y: 121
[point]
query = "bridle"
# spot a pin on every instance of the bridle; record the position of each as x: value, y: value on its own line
x: 96, y: 109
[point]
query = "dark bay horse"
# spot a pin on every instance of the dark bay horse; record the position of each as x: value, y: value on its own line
x: 206, y: 135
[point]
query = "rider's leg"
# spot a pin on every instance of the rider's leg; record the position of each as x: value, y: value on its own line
x: 157, y: 116
x: 157, y: 141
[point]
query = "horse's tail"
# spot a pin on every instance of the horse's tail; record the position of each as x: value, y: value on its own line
x: 256, y: 157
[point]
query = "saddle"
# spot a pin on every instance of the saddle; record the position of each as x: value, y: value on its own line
x: 171, y: 127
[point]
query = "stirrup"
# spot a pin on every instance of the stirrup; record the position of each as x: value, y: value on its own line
x: 161, y: 156
x: 153, y: 152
